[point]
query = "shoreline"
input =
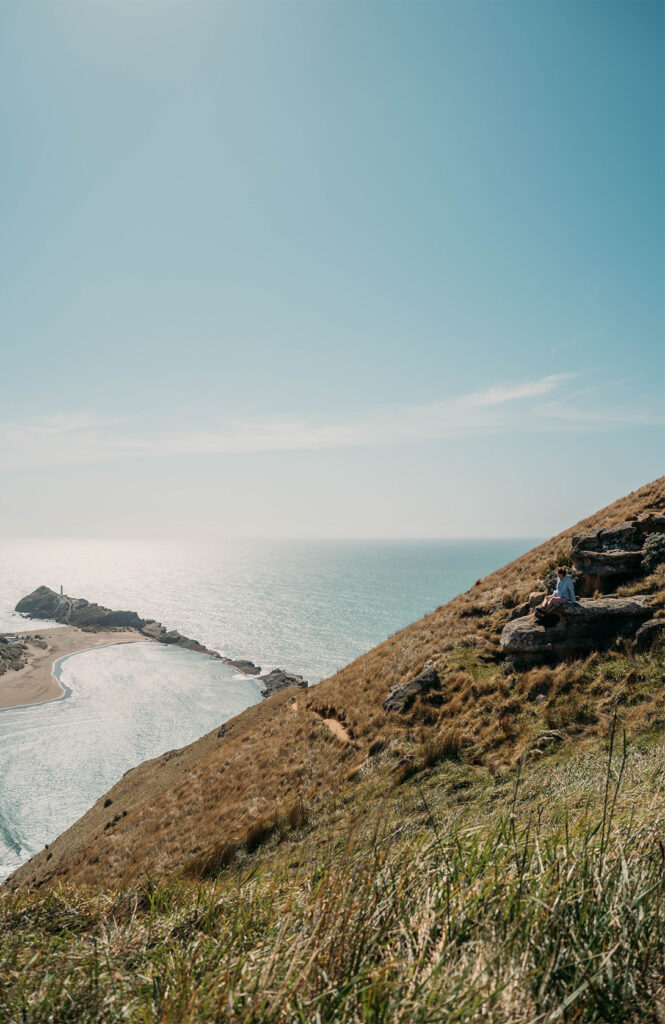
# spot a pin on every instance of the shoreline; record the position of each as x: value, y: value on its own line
x: 38, y: 682
x: 88, y: 627
x: 44, y: 603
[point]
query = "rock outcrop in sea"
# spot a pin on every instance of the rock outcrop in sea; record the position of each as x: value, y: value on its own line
x: 278, y: 679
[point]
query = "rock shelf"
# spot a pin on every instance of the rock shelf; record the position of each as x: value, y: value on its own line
x: 608, y: 558
x: 573, y: 630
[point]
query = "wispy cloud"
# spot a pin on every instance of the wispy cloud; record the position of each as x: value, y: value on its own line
x: 500, y: 393
x: 501, y: 408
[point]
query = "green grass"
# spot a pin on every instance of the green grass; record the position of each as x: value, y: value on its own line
x: 532, y: 895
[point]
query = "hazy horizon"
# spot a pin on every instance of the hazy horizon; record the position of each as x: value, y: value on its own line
x: 329, y: 270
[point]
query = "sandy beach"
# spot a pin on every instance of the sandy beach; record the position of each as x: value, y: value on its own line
x: 35, y: 683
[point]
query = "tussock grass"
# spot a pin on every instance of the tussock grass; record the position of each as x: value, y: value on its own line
x: 532, y: 896
x: 495, y: 854
x: 228, y: 790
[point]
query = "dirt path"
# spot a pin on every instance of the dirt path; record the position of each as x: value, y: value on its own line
x: 337, y: 729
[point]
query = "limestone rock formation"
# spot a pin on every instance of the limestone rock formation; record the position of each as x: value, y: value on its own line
x: 650, y: 524
x: 608, y: 558
x: 574, y: 630
x: 605, y: 569
x: 402, y: 693
x: 278, y: 679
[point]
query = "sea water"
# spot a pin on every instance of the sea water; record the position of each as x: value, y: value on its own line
x: 125, y: 704
x: 309, y: 607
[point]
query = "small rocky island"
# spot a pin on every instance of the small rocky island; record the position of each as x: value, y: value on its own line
x: 44, y: 603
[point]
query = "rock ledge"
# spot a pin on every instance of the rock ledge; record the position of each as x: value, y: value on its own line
x: 571, y: 631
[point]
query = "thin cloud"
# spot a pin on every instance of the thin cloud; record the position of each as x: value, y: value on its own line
x: 532, y: 389
x: 502, y: 408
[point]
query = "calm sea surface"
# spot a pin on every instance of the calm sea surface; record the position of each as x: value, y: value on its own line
x: 308, y: 606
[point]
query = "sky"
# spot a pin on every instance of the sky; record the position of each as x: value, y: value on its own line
x: 311, y: 269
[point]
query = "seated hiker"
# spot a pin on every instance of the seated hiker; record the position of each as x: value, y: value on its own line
x: 564, y: 592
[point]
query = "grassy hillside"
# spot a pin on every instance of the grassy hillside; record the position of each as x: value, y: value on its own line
x: 191, y: 810
x: 518, y: 896
x: 498, y: 854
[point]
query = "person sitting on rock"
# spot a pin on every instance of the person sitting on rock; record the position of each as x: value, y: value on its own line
x: 563, y: 594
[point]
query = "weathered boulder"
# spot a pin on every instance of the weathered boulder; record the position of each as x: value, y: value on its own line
x: 651, y: 632
x: 608, y: 558
x: 605, y: 570
x: 278, y: 679
x: 533, y: 600
x: 172, y: 636
x: 627, y: 536
x: 573, y: 630
x: 403, y: 693
x: 650, y: 524
x: 519, y: 611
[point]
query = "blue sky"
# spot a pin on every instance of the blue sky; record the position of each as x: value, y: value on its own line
x: 328, y: 269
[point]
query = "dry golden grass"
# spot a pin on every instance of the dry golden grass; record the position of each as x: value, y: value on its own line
x: 278, y: 763
x: 472, y: 898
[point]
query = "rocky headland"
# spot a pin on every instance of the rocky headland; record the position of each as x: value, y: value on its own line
x: 45, y: 603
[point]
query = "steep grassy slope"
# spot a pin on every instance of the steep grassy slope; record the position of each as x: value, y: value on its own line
x: 469, y: 897
x: 279, y: 769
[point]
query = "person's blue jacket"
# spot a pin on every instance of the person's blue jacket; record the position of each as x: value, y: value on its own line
x: 564, y: 589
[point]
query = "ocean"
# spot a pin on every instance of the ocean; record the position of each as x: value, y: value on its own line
x: 306, y: 606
